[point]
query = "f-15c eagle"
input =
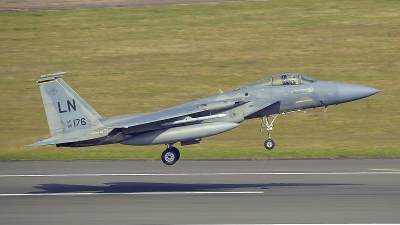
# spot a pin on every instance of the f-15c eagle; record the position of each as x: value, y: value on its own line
x: 73, y: 123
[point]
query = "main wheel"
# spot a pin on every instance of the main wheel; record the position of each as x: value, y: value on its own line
x: 178, y: 153
x: 269, y: 144
x: 170, y: 156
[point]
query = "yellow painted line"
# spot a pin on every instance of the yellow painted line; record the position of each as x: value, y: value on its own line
x: 387, y: 169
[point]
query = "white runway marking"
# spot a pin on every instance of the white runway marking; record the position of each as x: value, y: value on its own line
x: 133, y: 193
x: 195, y: 174
x: 383, y: 172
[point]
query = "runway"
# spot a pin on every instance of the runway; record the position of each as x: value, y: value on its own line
x: 200, y: 192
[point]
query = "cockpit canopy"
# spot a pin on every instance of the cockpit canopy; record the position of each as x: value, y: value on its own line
x: 284, y: 79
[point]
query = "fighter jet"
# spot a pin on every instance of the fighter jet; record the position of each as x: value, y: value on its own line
x: 73, y: 123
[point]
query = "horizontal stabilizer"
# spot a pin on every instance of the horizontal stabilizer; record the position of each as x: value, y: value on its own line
x: 52, y: 141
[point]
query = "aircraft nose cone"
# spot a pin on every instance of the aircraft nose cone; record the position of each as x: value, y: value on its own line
x: 352, y: 92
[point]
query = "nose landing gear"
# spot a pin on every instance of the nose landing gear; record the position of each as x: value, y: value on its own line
x: 269, y: 143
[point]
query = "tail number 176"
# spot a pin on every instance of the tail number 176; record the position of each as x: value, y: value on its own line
x: 76, y: 122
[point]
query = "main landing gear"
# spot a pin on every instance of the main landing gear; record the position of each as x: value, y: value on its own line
x: 171, y: 155
x: 269, y: 143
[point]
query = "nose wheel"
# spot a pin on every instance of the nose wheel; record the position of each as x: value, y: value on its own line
x: 269, y: 143
x: 170, y: 156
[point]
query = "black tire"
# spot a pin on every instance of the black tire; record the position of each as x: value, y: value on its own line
x: 178, y: 153
x: 269, y: 144
x: 170, y: 156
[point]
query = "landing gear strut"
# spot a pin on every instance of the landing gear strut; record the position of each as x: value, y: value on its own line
x: 269, y: 143
x: 171, y: 155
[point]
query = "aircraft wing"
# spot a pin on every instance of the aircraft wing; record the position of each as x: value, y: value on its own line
x: 179, y: 111
x: 159, y: 116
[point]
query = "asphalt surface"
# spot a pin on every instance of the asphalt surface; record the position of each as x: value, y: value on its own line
x: 200, y: 192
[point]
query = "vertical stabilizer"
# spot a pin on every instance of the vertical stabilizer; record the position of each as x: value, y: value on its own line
x: 68, y: 115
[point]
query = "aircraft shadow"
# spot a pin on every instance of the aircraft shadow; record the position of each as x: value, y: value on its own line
x: 139, y: 187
